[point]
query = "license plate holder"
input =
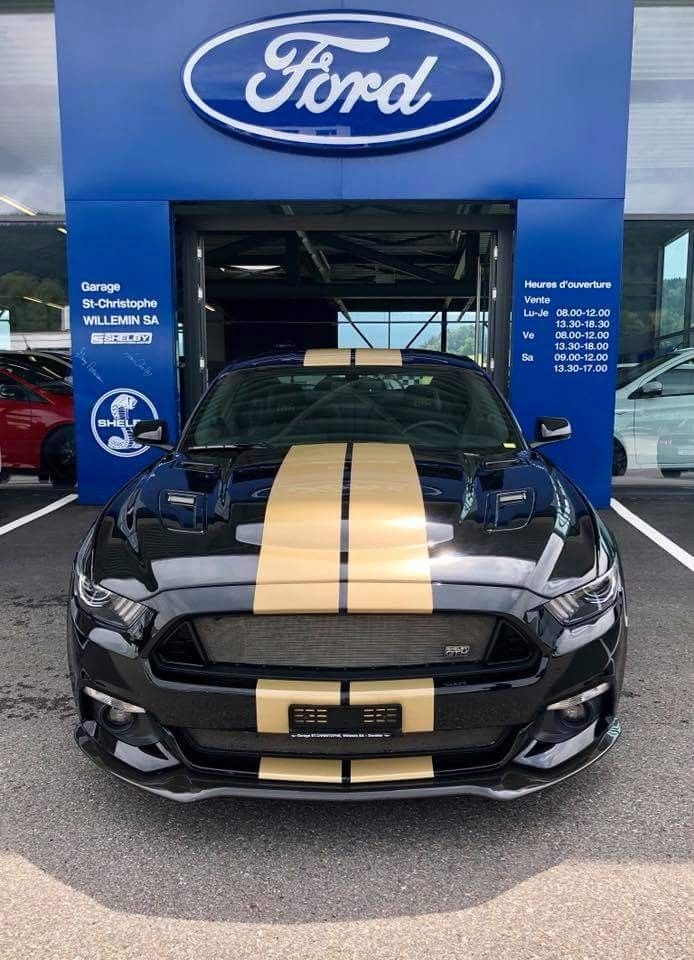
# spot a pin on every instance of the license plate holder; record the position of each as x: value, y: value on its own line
x: 345, y: 722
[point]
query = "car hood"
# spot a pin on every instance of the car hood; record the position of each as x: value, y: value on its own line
x: 200, y: 520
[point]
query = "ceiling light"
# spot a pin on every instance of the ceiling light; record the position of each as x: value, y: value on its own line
x: 255, y: 267
x: 211, y: 309
x: 17, y: 205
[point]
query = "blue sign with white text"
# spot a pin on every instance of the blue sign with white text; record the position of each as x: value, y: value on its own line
x: 565, y: 328
x: 343, y: 80
x: 122, y: 327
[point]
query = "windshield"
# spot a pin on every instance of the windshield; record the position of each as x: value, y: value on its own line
x: 627, y: 375
x: 440, y: 407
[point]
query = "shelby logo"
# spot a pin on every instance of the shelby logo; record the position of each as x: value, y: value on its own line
x: 134, y: 337
x: 456, y: 650
x: 341, y: 80
x: 113, y: 417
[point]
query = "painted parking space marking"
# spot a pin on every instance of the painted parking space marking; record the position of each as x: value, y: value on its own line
x: 51, y: 508
x: 665, y: 543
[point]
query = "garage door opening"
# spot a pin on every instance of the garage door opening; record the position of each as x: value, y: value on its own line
x: 256, y: 278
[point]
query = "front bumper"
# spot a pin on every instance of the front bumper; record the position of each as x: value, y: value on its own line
x: 509, y: 711
x: 182, y: 785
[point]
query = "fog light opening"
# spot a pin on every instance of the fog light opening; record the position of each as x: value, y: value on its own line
x: 575, y: 715
x: 118, y: 716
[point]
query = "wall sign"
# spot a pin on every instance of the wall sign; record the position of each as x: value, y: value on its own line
x: 113, y: 419
x: 343, y: 81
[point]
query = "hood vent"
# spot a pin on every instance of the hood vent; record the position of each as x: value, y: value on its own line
x: 181, y: 511
x: 509, y: 509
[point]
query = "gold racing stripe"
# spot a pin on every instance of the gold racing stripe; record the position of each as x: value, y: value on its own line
x: 388, y: 565
x: 274, y: 697
x: 300, y: 769
x: 327, y: 358
x: 299, y: 563
x: 391, y: 768
x: 377, y: 358
x: 415, y: 696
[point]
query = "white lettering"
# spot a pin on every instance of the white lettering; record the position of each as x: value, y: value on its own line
x: 323, y: 87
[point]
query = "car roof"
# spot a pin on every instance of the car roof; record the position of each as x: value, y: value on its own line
x: 296, y: 358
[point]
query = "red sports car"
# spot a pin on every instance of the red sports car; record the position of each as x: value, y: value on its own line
x: 37, y: 431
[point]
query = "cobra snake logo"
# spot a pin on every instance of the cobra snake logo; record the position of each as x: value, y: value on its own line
x: 120, y: 408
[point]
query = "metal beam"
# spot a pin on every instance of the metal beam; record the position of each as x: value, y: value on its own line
x: 368, y: 253
x: 326, y: 223
x: 194, y: 321
x: 275, y: 290
x: 221, y: 256
x: 323, y: 268
x: 502, y: 308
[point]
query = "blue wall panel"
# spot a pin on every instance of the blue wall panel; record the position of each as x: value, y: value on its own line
x: 558, y: 131
x: 126, y: 371
x: 567, y: 283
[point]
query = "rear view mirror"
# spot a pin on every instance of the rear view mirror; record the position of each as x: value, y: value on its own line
x: 153, y: 433
x: 652, y: 389
x: 550, y: 430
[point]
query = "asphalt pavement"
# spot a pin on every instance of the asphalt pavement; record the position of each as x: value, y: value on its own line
x: 598, y: 867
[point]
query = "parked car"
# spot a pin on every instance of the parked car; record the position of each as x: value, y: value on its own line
x: 352, y: 578
x: 652, y: 400
x: 676, y: 450
x: 37, y: 433
x: 37, y: 366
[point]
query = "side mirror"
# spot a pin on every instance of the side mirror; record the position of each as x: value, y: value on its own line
x: 153, y: 433
x: 550, y: 429
x: 653, y: 388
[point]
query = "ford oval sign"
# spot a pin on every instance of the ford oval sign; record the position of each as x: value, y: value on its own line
x: 342, y: 81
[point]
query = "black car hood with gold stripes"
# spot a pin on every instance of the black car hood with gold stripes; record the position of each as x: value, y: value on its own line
x: 356, y: 527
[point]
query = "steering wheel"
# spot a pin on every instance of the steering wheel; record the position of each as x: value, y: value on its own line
x: 438, y: 424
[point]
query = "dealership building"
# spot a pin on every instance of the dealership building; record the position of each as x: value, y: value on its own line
x: 183, y: 184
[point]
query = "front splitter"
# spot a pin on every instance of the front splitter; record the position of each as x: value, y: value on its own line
x: 178, y: 783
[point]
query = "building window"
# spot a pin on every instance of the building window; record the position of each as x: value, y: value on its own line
x: 33, y: 311
x: 30, y: 167
x: 660, y: 159
x: 657, y: 287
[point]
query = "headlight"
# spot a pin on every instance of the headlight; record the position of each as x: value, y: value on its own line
x: 112, y: 609
x: 588, y: 601
x: 105, y: 605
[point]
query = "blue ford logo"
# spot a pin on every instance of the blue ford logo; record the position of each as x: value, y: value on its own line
x: 342, y: 81
x: 114, y: 416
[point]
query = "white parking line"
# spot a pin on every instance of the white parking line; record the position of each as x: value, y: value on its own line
x: 665, y: 543
x: 63, y: 502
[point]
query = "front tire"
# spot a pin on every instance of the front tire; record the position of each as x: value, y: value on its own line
x: 59, y: 457
x: 619, y: 459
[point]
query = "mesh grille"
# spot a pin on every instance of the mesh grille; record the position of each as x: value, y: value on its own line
x: 242, y: 741
x: 362, y: 640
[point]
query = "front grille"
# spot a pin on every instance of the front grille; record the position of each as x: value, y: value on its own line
x: 345, y: 640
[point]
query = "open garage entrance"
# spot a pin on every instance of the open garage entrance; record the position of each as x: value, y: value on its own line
x: 255, y: 278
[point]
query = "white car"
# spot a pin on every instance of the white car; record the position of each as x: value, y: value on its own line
x: 654, y: 415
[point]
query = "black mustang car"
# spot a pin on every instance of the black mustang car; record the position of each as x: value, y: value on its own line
x: 352, y: 578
